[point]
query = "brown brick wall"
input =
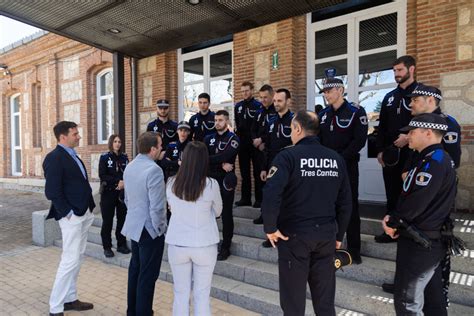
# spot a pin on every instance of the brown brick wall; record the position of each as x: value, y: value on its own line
x: 291, y: 47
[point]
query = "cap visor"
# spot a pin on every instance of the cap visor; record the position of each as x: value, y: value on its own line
x: 407, y: 128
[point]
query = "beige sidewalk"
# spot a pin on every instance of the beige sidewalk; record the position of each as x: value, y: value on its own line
x: 27, y: 275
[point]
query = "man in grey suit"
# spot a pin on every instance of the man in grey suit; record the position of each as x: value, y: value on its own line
x: 145, y: 223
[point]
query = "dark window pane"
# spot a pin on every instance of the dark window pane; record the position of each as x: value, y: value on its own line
x: 16, y: 104
x: 16, y: 136
x: 221, y: 64
x: 339, y: 65
x: 378, y: 32
x: 193, y: 70
x: 331, y: 42
x: 376, y: 69
x: 17, y: 162
x: 105, y: 119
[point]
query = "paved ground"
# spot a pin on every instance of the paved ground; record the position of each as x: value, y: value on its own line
x: 27, y: 272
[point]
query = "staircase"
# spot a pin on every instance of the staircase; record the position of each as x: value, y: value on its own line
x: 249, y: 278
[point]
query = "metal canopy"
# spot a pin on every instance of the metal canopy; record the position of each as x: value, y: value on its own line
x: 145, y: 28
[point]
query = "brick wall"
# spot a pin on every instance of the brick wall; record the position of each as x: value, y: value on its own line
x: 252, y: 58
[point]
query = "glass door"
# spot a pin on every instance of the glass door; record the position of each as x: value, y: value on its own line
x: 360, y: 47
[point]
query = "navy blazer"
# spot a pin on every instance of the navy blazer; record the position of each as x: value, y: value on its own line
x: 66, y: 187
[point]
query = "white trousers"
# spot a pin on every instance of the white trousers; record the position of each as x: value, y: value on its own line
x: 74, y: 234
x: 192, y: 265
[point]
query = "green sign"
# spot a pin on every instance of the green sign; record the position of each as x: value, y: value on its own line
x: 275, y: 60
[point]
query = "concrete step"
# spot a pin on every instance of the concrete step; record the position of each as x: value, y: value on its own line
x: 251, y: 297
x: 251, y: 248
x: 254, y: 285
x: 373, y: 270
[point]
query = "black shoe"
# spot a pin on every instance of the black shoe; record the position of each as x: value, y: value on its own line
x: 258, y: 221
x: 123, y: 249
x: 384, y: 239
x: 223, y: 254
x: 267, y: 244
x: 355, y: 255
x: 357, y: 259
x: 108, y: 253
x: 243, y: 203
x: 257, y: 204
x: 56, y: 314
x: 388, y: 287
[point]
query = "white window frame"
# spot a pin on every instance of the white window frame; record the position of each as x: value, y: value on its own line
x: 110, y: 99
x: 205, y: 53
x: 352, y: 21
x: 14, y: 148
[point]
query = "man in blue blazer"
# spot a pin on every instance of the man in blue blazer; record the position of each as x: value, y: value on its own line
x: 68, y: 189
x: 145, y: 223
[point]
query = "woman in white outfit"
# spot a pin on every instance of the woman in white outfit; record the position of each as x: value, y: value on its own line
x: 192, y: 236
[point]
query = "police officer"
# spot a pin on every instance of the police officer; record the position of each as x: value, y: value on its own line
x: 245, y: 113
x: 111, y: 167
x: 428, y: 193
x: 202, y: 123
x: 426, y: 99
x: 277, y: 135
x: 223, y: 147
x: 306, y: 204
x: 344, y: 128
x: 163, y: 125
x: 172, y: 159
x: 395, y: 113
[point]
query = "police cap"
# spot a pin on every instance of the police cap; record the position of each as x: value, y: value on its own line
x: 162, y: 103
x: 330, y: 83
x: 427, y: 120
x: 427, y: 91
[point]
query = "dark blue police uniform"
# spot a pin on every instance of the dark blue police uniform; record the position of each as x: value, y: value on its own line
x: 202, y: 125
x: 277, y: 136
x: 345, y: 131
x: 245, y: 113
x: 111, y: 167
x: 167, y: 131
x: 307, y: 197
x: 395, y: 113
x: 425, y: 202
x: 173, y: 154
x: 223, y: 149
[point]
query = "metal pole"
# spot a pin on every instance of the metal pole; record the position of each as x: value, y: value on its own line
x: 119, y: 95
x: 133, y: 69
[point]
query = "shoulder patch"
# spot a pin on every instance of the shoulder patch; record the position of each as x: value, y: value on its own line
x: 272, y: 171
x: 234, y: 144
x: 423, y: 178
x: 363, y: 120
x: 450, y: 137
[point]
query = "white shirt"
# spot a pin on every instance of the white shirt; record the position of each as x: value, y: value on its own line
x: 193, y: 224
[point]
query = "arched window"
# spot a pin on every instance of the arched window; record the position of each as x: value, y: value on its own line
x: 105, y: 105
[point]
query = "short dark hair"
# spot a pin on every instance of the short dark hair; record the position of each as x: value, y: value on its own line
x: 62, y: 128
x: 205, y: 96
x: 247, y: 84
x: 308, y: 121
x: 438, y: 133
x: 286, y: 91
x: 223, y: 112
x: 147, y: 140
x: 406, y: 60
x: 110, y: 143
x: 266, y: 87
x: 190, y: 181
x: 437, y: 101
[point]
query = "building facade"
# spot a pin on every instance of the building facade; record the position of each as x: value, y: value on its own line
x: 52, y: 78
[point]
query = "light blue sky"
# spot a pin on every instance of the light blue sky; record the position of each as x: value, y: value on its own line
x: 12, y: 31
